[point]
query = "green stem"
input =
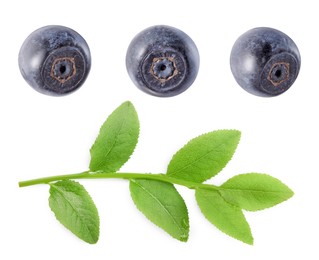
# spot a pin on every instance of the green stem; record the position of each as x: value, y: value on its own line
x: 119, y: 175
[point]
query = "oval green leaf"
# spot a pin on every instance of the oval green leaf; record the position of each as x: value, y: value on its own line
x: 161, y: 203
x: 253, y: 191
x: 75, y: 209
x: 226, y: 217
x: 116, y: 141
x: 204, y: 156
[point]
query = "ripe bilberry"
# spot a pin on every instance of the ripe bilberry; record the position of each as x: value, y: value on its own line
x: 55, y: 60
x: 265, y: 61
x: 162, y: 61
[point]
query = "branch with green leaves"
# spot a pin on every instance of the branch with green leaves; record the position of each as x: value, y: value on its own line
x: 155, y: 194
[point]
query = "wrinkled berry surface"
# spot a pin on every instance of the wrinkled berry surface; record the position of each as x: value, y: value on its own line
x: 162, y: 61
x: 265, y: 62
x: 55, y: 60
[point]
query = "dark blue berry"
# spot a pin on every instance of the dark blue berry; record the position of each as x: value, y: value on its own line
x: 55, y: 60
x: 265, y: 62
x: 162, y: 61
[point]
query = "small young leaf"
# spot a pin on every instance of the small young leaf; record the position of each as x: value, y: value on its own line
x: 204, y: 156
x: 226, y: 217
x: 116, y: 141
x: 161, y: 203
x: 75, y: 209
x: 253, y: 191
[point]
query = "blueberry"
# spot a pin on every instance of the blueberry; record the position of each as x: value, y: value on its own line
x: 162, y: 61
x: 55, y: 60
x: 265, y: 61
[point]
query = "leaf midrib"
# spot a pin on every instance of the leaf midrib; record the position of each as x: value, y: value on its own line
x: 252, y: 190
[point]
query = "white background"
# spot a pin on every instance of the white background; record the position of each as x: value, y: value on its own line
x: 42, y: 135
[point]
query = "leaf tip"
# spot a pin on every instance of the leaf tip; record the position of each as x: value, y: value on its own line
x: 93, y: 241
x: 128, y: 104
x: 291, y: 192
x: 236, y: 133
x: 183, y: 238
x: 249, y: 240
x: 250, y: 243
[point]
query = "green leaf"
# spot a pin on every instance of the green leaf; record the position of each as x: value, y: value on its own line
x: 75, y: 209
x: 116, y: 141
x: 161, y: 203
x: 204, y: 156
x: 226, y: 217
x: 253, y: 191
